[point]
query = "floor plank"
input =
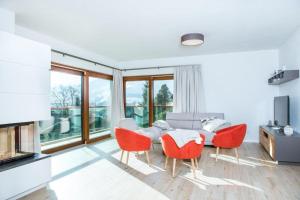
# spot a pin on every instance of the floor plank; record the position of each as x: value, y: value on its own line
x: 95, y: 172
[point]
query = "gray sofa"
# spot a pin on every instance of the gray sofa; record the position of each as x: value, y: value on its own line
x: 192, y: 121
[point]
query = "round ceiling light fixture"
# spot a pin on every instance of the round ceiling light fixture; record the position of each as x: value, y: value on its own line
x: 192, y: 39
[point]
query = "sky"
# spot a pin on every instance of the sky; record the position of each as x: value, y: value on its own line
x: 100, y: 89
x: 59, y: 78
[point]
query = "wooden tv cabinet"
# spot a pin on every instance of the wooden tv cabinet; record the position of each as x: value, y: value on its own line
x: 281, y: 148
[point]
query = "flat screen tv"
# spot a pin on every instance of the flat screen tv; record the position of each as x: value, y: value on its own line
x: 281, y: 111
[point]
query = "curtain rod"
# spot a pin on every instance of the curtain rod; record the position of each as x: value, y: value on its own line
x: 158, y: 67
x: 128, y: 69
x: 84, y: 59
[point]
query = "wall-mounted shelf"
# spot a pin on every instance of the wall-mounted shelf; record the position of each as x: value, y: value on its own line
x: 283, y: 77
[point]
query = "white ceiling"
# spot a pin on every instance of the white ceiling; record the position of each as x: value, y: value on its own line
x: 139, y: 29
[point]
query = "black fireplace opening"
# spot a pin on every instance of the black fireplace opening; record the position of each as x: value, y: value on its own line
x: 16, y: 142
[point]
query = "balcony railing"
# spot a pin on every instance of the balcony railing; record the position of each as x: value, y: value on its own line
x: 141, y: 113
x: 66, y: 123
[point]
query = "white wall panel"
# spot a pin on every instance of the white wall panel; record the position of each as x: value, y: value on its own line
x: 24, y: 79
x: 20, y: 50
x: 18, y: 78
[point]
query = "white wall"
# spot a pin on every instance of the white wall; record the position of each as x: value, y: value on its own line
x: 234, y: 83
x: 7, y: 21
x: 289, y: 56
x: 68, y: 48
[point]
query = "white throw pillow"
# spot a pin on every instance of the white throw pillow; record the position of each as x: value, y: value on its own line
x: 207, y: 119
x: 161, y: 124
x: 226, y: 125
x: 213, y: 125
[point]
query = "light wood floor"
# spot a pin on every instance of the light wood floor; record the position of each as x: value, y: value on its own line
x: 94, y: 172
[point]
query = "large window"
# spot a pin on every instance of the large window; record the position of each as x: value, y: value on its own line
x: 99, y: 106
x: 148, y: 98
x: 65, y: 124
x: 80, y: 108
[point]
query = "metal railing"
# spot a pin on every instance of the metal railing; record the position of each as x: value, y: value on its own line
x: 66, y: 123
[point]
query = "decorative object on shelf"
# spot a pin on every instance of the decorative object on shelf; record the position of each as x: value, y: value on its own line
x: 288, y: 130
x: 283, y: 76
x: 192, y: 39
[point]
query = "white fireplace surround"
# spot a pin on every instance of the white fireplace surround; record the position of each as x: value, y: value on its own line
x: 24, y: 93
x: 24, y: 79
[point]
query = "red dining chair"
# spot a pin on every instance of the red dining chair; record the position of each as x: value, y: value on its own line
x: 132, y: 141
x: 231, y: 137
x: 191, y: 150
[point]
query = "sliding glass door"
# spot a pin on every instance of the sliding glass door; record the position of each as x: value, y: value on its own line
x: 137, y: 101
x: 65, y: 124
x: 99, y: 106
x: 148, y: 98
x: 80, y: 108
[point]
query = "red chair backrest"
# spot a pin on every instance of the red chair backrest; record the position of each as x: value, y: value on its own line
x: 230, y: 137
x: 169, y: 146
x: 131, y: 141
x: 189, y: 150
x: 238, y: 134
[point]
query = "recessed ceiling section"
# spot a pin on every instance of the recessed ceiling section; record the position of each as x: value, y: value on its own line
x: 134, y: 30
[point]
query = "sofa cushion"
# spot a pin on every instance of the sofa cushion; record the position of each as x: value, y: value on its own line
x: 192, y: 121
x: 180, y: 120
x: 199, y: 116
x: 162, y: 124
x: 180, y: 116
x: 181, y: 124
x: 197, y: 125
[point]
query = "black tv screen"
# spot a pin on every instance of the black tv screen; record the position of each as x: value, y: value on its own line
x: 281, y: 111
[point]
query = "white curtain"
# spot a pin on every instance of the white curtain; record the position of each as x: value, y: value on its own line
x: 188, y: 89
x: 117, y: 106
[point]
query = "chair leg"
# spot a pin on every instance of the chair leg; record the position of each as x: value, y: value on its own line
x: 122, y: 156
x: 196, y: 162
x: 166, y: 162
x: 237, y: 155
x: 193, y: 167
x: 217, y: 153
x: 127, y: 158
x: 147, y: 156
x: 174, y: 166
x: 152, y: 146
